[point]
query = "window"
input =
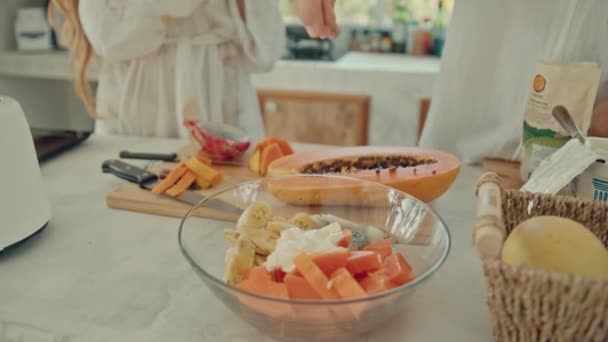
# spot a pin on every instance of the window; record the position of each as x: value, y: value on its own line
x: 371, y: 12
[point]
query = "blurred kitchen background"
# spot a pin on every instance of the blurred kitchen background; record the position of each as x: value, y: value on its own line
x: 371, y: 85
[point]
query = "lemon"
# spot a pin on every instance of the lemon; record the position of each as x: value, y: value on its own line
x: 556, y: 244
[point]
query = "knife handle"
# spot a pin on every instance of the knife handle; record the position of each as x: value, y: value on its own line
x: 128, y: 172
x: 149, y: 156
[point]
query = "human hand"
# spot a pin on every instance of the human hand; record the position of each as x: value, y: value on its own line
x: 318, y: 17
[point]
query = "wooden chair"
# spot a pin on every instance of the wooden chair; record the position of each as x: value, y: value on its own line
x: 316, y: 117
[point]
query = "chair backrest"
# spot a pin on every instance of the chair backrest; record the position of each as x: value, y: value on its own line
x: 316, y: 117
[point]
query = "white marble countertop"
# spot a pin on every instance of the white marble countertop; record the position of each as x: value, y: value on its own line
x: 371, y: 62
x: 97, y: 274
x: 394, y: 63
x: 54, y: 64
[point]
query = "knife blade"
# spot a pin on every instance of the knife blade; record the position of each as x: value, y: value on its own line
x: 148, y: 180
x: 149, y: 156
x: 173, y: 157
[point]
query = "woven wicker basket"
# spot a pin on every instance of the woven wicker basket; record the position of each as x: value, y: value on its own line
x: 529, y: 304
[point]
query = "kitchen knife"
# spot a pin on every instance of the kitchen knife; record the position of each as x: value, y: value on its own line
x: 147, y: 180
x: 149, y: 156
x: 173, y: 157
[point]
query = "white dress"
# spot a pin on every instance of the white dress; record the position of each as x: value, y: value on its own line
x: 165, y: 61
x: 490, y: 55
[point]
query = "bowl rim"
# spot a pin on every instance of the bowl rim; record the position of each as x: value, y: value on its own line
x: 423, y: 277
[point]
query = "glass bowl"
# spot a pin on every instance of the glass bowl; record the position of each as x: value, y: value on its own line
x: 219, y: 141
x: 418, y: 232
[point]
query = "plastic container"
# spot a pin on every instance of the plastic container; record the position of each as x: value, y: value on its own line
x: 32, y: 30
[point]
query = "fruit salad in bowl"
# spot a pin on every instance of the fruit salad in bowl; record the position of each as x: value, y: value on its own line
x: 319, y: 272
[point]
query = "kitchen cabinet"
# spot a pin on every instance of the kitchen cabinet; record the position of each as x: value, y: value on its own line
x: 314, y: 117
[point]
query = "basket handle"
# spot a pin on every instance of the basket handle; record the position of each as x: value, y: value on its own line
x: 488, y: 230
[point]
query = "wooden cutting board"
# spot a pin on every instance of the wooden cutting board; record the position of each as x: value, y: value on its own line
x: 132, y: 198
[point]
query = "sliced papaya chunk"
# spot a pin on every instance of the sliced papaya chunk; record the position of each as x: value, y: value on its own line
x: 170, y: 180
x: 383, y: 247
x: 332, y: 260
x: 363, y: 261
x: 346, y: 239
x: 283, y: 144
x: 299, y: 288
x: 201, y: 170
x: 346, y: 286
x: 376, y: 282
x: 259, y: 280
x: 398, y: 270
x: 204, y: 158
x: 203, y: 183
x: 266, y: 151
x: 314, y: 276
x: 269, y: 154
x: 254, y: 161
x: 182, y: 185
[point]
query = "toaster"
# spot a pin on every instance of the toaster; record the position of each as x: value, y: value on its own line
x: 24, y: 203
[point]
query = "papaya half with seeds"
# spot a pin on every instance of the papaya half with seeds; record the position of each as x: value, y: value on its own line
x: 421, y: 172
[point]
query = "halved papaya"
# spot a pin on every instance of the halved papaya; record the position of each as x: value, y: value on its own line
x: 421, y: 172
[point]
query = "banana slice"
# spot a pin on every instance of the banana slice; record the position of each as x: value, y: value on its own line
x: 239, y: 259
x: 259, y: 260
x: 231, y: 236
x: 278, y: 219
x: 304, y: 221
x: 276, y: 227
x: 254, y: 217
x: 264, y: 243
